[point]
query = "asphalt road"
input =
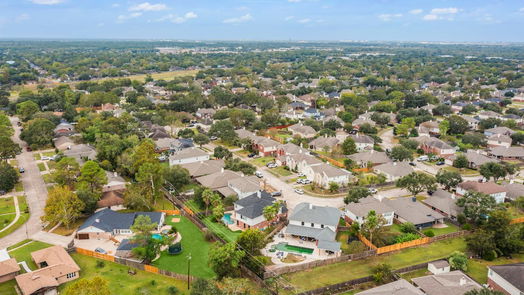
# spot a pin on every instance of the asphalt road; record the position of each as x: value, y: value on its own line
x: 35, y: 191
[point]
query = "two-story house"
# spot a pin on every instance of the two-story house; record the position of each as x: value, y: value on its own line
x: 498, y: 192
x: 357, y: 212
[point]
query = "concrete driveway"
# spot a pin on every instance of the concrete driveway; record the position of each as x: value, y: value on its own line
x: 34, y: 189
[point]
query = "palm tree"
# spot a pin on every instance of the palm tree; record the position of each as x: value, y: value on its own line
x: 207, y: 197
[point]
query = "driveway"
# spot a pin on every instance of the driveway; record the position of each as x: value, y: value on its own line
x: 35, y: 191
x: 387, y: 139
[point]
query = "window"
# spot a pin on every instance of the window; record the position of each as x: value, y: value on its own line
x: 71, y: 275
x: 321, y: 226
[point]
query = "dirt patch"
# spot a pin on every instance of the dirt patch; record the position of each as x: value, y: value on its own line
x: 175, y: 219
x: 291, y: 258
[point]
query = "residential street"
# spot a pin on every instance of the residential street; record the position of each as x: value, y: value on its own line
x: 35, y: 191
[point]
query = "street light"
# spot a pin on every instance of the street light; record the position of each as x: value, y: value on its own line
x: 188, y: 270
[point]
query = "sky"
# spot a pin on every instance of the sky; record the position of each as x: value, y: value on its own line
x: 362, y: 20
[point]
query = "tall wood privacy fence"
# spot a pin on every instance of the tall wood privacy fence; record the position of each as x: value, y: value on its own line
x: 517, y: 220
x: 134, y: 264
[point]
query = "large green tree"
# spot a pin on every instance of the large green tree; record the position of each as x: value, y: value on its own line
x: 8, y: 177
x: 38, y: 133
x: 8, y: 148
x: 477, y: 206
x: 356, y: 193
x: 27, y: 109
x: 62, y: 206
x: 448, y: 179
x: 225, y: 260
x: 416, y: 182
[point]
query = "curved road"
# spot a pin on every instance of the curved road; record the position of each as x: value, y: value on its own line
x: 35, y: 190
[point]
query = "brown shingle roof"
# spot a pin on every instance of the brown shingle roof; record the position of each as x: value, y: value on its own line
x: 482, y: 187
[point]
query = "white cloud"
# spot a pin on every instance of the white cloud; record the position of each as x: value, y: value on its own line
x: 304, y: 20
x: 430, y: 17
x: 416, y: 11
x: 387, y: 17
x: 449, y: 10
x: 22, y: 17
x: 47, y: 2
x: 241, y: 19
x: 146, y: 6
x: 288, y: 18
x: 121, y: 18
x: 178, y: 19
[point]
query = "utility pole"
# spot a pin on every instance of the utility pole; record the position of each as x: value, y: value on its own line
x: 188, y: 270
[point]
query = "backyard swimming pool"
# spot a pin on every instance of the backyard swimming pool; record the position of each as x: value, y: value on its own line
x: 293, y: 249
x: 227, y: 219
x: 157, y: 237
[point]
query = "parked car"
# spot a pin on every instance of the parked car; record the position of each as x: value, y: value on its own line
x: 276, y: 194
x: 213, y: 138
x: 439, y: 163
x: 259, y: 174
x: 251, y: 155
x: 423, y: 158
x: 100, y: 250
x: 300, y: 181
x: 299, y: 191
x: 2, y: 192
x: 412, y: 164
x: 301, y: 175
x: 306, y: 181
x: 372, y: 190
x: 271, y: 165
x: 21, y: 170
x: 28, y: 149
x: 45, y: 158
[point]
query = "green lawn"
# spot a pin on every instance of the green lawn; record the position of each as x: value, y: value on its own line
x: 193, y: 243
x: 8, y: 288
x: 464, y: 172
x: 351, y: 248
x: 262, y: 161
x: 5, y: 220
x: 36, y: 156
x: 47, y: 178
x: 7, y: 205
x: 478, y: 269
x: 442, y: 231
x: 19, y: 187
x: 123, y: 283
x: 164, y: 204
x: 221, y: 230
x: 340, y: 272
x: 49, y: 154
x: 41, y: 167
x: 24, y: 253
x: 13, y: 162
x: 280, y: 171
x: 415, y: 274
x: 24, y: 216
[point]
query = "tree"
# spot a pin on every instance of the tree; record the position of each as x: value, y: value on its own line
x: 333, y: 187
x: 506, y: 237
x: 94, y: 286
x: 8, y: 177
x: 225, y: 260
x: 221, y: 152
x: 457, y: 125
x: 416, y: 182
x: 8, y: 149
x: 443, y: 127
x: 38, y: 133
x: 474, y: 139
x: 348, y: 146
x: 148, y: 247
x: 400, y: 153
x: 151, y: 176
x: 204, y: 287
x: 461, y: 162
x: 25, y: 110
x: 66, y: 172
x: 218, y: 211
x: 483, y: 291
x: 62, y: 206
x: 373, y: 225
x: 477, y: 206
x: 208, y: 196
x: 458, y: 261
x: 177, y: 176
x: 201, y: 139
x: 138, y: 197
x: 186, y: 133
x: 94, y: 176
x: 448, y: 179
x: 481, y: 243
x: 493, y: 169
x: 251, y: 241
x: 356, y: 193
x: 382, y: 273
x: 270, y: 212
x: 224, y: 130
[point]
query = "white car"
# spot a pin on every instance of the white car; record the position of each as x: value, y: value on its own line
x: 45, y: 158
x: 306, y: 181
x: 299, y: 191
x: 423, y: 158
x: 259, y: 174
x: 372, y: 190
x: 301, y: 175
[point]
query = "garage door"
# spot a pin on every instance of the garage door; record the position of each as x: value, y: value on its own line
x: 83, y: 236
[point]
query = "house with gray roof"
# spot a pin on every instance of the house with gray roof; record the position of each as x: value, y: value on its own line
x: 197, y: 169
x: 245, y: 185
x: 513, y: 190
x: 507, y: 153
x: 189, y: 155
x: 323, y: 143
x: 444, y: 203
x: 317, y: 224
x: 451, y: 283
x: 218, y: 180
x: 363, y: 159
x: 394, y: 170
x: 363, y: 142
x: 249, y: 211
x: 358, y: 212
x: 81, y: 152
x: 476, y: 159
x: 410, y: 210
x: 302, y: 130
x: 106, y: 223
x: 324, y: 174
x: 507, y: 278
x: 499, y: 140
x: 400, y: 287
x: 499, y: 130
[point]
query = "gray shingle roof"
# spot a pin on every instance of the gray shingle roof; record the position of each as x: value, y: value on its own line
x: 400, y: 287
x: 414, y: 212
x: 446, y: 283
x: 513, y: 273
x: 307, y: 212
x: 109, y: 220
x: 367, y: 204
x: 443, y: 201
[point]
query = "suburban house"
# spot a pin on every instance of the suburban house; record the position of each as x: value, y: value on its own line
x: 125, y: 248
x: 302, y: 130
x: 301, y: 162
x: 476, y: 159
x: 357, y: 212
x: 186, y: 156
x: 171, y: 145
x: 400, y: 287
x: 317, y: 224
x: 410, y: 210
x: 499, y: 140
x: 205, y: 113
x: 80, y: 152
x: 507, y: 278
x: 499, y: 130
x: 370, y: 158
x: 439, y: 267
x: 514, y: 190
x: 244, y: 186
x: 197, y: 169
x: 290, y: 149
x: 9, y: 268
x: 360, y: 121
x: 249, y: 211
x: 265, y: 146
x: 498, y: 192
x: 114, y: 182
x: 428, y: 128
x: 113, y: 200
x: 444, y: 203
x: 393, y: 170
x: 451, y: 283
x: 106, y: 224
x: 323, y: 143
x: 324, y: 174
x: 55, y: 267
x: 432, y: 145
x: 219, y: 181
x: 507, y: 153
x: 243, y: 134
x: 489, y: 114
x: 363, y: 142
x: 473, y: 123
x: 64, y: 129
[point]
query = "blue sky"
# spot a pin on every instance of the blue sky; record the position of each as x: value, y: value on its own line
x: 398, y: 20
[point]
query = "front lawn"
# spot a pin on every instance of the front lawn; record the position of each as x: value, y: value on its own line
x: 463, y: 172
x: 24, y: 253
x: 7, y: 205
x: 262, y: 161
x: 41, y: 167
x: 194, y: 243
x: 221, y: 230
x: 123, y: 283
x: 478, y: 268
x: 340, y: 272
x: 280, y: 171
x: 24, y: 216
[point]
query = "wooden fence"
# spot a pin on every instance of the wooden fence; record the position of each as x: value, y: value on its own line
x: 517, y: 220
x: 366, y: 242
x: 399, y: 246
x: 332, y: 161
x: 170, y: 212
x: 95, y: 254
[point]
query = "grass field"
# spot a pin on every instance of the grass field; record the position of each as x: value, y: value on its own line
x: 446, y: 230
x: 7, y: 205
x: 464, y: 172
x: 41, y: 167
x: 336, y: 273
x: 478, y: 269
x: 262, y: 161
x: 159, y: 76
x: 5, y: 220
x: 221, y: 230
x: 24, y: 216
x: 280, y: 171
x: 193, y: 243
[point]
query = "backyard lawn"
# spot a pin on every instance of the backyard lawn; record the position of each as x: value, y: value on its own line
x: 221, y: 230
x: 353, y: 247
x: 194, y: 243
x: 446, y: 230
x: 336, y: 273
x: 478, y: 269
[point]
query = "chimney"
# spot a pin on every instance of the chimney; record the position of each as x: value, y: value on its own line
x: 97, y: 220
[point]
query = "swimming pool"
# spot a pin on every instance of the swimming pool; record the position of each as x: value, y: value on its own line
x: 157, y: 237
x: 227, y: 219
x: 293, y: 249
